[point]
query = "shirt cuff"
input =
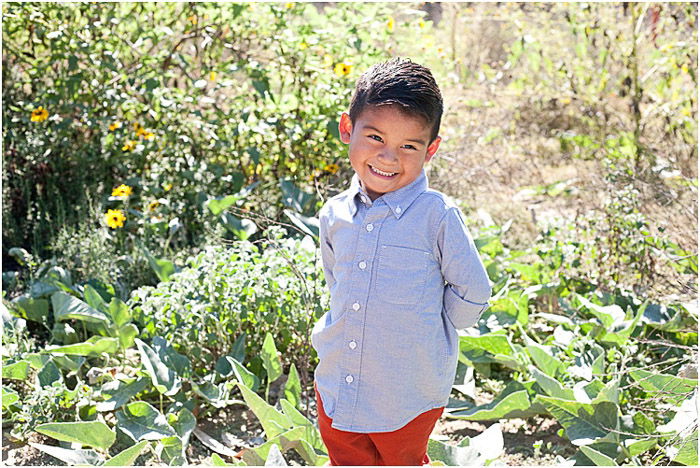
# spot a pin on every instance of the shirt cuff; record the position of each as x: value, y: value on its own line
x: 461, y: 312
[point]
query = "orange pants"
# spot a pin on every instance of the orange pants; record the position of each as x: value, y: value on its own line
x: 402, y: 447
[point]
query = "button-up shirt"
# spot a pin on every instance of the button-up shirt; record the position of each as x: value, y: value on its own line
x: 404, y: 274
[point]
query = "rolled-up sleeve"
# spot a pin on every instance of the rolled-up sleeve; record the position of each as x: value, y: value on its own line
x: 468, y: 289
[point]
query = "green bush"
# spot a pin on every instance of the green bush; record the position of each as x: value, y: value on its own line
x: 275, y: 286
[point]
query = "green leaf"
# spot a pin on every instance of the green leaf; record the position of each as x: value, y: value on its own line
x: 242, y: 228
x: 164, y: 379
x: 171, y: 358
x: 17, y: 370
x: 9, y: 396
x: 452, y: 455
x: 295, y: 198
x: 598, y: 458
x: 544, y: 359
x: 119, y: 311
x: 292, y: 388
x: 66, y: 307
x: 311, y: 434
x: 92, y: 433
x: 126, y: 335
x: 636, y: 447
x: 120, y: 393
x: 36, y: 310
x: 94, y: 299
x: 71, y: 457
x: 218, y: 205
x: 94, y: 346
x: 288, y: 439
x: 162, y: 267
x: 667, y: 387
x: 172, y: 451
x: 551, y: 386
x: 272, y: 421
x: 184, y: 422
x: 513, y: 401
x: 49, y: 374
x: 607, y: 315
x: 687, y: 450
x: 308, y: 224
x: 128, y: 456
x: 139, y: 420
x: 216, y: 460
x: 584, y: 423
x: 271, y: 360
x: 243, y: 375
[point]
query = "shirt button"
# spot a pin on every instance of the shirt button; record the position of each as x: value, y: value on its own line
x: 370, y: 227
x: 356, y: 306
x: 349, y: 379
x: 362, y: 265
x: 352, y: 344
x: 398, y: 209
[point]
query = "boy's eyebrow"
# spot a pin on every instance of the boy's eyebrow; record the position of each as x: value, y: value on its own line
x: 420, y: 142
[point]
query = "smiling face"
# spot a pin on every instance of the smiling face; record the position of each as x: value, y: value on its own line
x: 388, y: 148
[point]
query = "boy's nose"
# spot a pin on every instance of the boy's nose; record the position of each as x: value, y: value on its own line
x: 388, y: 156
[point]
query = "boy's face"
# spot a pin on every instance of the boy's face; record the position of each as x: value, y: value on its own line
x: 388, y: 148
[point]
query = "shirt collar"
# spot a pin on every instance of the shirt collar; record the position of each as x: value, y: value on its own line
x: 398, y: 200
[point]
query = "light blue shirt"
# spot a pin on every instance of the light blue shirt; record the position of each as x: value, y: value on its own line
x: 404, y: 274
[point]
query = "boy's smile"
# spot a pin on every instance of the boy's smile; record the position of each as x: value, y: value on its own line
x: 388, y: 147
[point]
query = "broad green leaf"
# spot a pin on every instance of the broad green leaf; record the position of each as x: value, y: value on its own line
x: 544, y: 359
x: 584, y: 423
x: 171, y: 358
x: 126, y: 335
x: 271, y: 360
x: 308, y: 224
x: 94, y: 299
x: 172, y: 451
x: 242, y: 228
x: 218, y: 205
x: 620, y: 333
x: 139, y: 420
x: 162, y: 267
x: 607, y: 315
x: 272, y: 421
x: 69, y: 363
x: 295, y: 198
x: 128, y: 456
x: 687, y: 450
x: 120, y: 393
x: 596, y: 457
x: 243, y: 375
x: 49, y: 374
x: 287, y: 440
x: 184, y: 422
x: 16, y: 371
x: 164, y: 379
x: 36, y: 360
x: 292, y: 388
x: 312, y: 435
x: 216, y: 394
x: 494, y: 343
x: 515, y: 404
x: 667, y: 387
x: 238, y: 348
x: 636, y: 447
x: 551, y: 386
x: 92, y: 433
x: 590, y: 363
x: 66, y: 307
x: 9, y: 397
x: 94, y: 346
x: 36, y: 310
x: 70, y: 457
x: 119, y: 311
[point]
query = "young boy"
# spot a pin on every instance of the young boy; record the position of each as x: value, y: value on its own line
x: 403, y: 273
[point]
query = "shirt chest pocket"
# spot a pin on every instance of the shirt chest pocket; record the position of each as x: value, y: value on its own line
x: 401, y: 274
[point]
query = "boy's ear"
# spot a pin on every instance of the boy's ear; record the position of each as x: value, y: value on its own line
x: 345, y: 128
x: 432, y: 148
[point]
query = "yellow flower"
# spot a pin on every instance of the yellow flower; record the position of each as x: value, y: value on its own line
x: 212, y: 75
x: 167, y: 187
x: 129, y: 145
x: 115, y: 126
x: 421, y: 24
x: 332, y: 168
x: 289, y: 5
x: 136, y: 126
x: 149, y: 136
x: 342, y: 69
x: 192, y: 19
x: 40, y: 114
x: 141, y: 132
x: 684, y: 68
x: 303, y: 45
x: 390, y: 24
x: 153, y: 205
x: 565, y: 100
x: 122, y: 191
x: 115, y: 218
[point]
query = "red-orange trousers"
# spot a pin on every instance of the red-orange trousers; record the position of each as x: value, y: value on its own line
x: 406, y: 446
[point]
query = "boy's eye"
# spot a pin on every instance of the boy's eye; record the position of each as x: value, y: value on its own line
x: 376, y: 137
x: 410, y: 147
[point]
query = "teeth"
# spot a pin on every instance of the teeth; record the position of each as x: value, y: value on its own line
x: 385, y: 174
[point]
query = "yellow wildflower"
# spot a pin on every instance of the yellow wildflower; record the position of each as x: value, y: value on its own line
x: 684, y: 68
x: 115, y: 126
x: 289, y: 5
x: 153, y: 205
x: 115, y: 218
x: 141, y: 132
x: 390, y: 24
x: 192, y: 19
x: 122, y: 191
x: 342, y: 69
x: 332, y: 168
x: 212, y: 75
x: 129, y: 145
x: 136, y: 126
x: 303, y: 45
x: 421, y: 24
x: 40, y: 114
x: 167, y: 187
x: 149, y: 136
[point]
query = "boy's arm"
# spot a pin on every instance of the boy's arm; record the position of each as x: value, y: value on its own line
x: 468, y: 290
x: 327, y: 255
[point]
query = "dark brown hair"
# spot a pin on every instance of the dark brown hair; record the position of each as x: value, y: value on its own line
x: 403, y: 83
